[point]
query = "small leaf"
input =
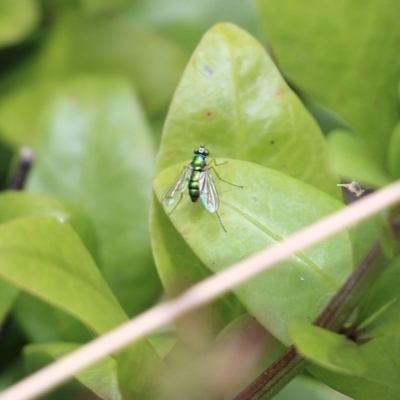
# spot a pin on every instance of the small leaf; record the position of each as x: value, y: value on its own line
x: 350, y: 158
x: 100, y: 378
x: 380, y: 312
x: 328, y: 349
x: 380, y: 381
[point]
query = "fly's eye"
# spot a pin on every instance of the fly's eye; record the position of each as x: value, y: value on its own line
x: 206, y: 152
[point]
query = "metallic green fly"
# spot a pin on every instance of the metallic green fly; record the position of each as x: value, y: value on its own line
x: 198, y: 178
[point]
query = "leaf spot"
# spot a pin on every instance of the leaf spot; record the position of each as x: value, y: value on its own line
x: 208, y: 70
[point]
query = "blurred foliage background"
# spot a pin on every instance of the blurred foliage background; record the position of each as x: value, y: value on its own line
x: 88, y: 83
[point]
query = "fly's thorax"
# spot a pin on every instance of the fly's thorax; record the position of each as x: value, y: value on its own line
x: 199, y: 162
x: 194, y: 185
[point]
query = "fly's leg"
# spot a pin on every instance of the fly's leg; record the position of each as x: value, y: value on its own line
x: 216, y: 173
x: 220, y: 221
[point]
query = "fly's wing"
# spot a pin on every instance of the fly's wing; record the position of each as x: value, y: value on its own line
x: 208, y: 192
x: 177, y: 187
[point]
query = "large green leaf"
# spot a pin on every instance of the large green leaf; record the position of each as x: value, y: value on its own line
x: 44, y: 257
x: 179, y: 268
x: 343, y: 54
x: 17, y: 19
x: 269, y: 207
x: 100, y: 378
x: 41, y: 321
x: 233, y: 100
x: 97, y: 153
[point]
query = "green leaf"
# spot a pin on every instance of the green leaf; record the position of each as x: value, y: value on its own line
x: 377, y: 319
x: 270, y: 206
x: 380, y: 312
x: 115, y: 45
x: 173, y: 256
x: 349, y: 157
x: 100, y: 378
x: 44, y: 256
x: 186, y: 22
x: 99, y: 156
x: 103, y: 6
x: 304, y: 388
x: 328, y: 349
x: 394, y: 153
x: 17, y: 19
x: 381, y: 381
x: 41, y: 322
x: 8, y: 294
x: 16, y: 204
x: 336, y: 55
x: 22, y: 108
x: 233, y: 99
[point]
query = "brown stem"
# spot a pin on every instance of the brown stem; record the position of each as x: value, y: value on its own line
x: 25, y: 162
x: 335, y: 314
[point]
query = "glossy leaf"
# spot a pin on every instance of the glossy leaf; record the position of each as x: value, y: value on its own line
x: 41, y: 321
x: 269, y: 207
x: 233, y: 100
x: 349, y: 158
x: 17, y: 204
x: 99, y: 156
x: 17, y: 19
x: 337, y: 54
x: 44, y: 256
x: 100, y: 378
x: 173, y: 256
x: 327, y: 349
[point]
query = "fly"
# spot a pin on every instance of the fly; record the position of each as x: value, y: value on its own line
x: 197, y: 177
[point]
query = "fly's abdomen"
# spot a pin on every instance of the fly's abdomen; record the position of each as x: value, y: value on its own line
x: 194, y: 185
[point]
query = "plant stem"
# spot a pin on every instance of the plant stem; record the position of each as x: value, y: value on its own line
x: 333, y: 317
x: 25, y: 162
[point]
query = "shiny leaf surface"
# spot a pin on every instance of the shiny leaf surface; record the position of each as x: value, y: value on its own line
x: 269, y: 207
